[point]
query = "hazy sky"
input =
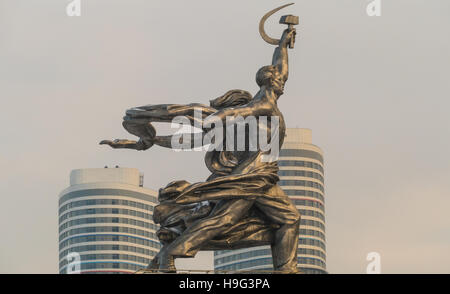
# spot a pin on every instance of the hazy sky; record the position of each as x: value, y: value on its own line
x: 374, y: 91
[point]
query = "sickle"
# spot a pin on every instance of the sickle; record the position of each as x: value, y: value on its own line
x: 262, y: 22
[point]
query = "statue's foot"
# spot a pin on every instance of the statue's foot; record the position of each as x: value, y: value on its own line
x: 167, y: 263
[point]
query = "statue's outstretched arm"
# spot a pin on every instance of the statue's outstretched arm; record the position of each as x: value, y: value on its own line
x: 163, y: 141
x: 185, y: 141
x: 137, y: 121
x: 126, y: 144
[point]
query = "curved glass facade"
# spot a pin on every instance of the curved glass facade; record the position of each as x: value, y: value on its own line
x: 302, y: 178
x: 106, y: 217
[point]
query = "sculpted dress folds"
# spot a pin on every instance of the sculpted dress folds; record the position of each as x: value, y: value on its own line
x: 240, y: 204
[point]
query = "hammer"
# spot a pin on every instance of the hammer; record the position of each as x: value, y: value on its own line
x: 290, y: 20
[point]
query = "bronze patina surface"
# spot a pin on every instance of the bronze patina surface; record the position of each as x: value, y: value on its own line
x: 240, y: 204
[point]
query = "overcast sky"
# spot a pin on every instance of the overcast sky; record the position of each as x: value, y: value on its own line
x: 374, y: 91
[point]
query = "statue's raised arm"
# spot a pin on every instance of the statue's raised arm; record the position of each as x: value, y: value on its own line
x: 280, y: 56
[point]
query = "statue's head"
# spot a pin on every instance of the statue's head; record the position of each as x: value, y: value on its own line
x: 269, y: 76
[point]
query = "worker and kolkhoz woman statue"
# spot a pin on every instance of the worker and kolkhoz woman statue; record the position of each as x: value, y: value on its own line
x: 240, y: 204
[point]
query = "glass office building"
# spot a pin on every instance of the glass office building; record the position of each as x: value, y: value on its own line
x: 302, y: 179
x: 106, y: 219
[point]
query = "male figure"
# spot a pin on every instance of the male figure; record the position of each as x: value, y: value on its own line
x: 235, y: 202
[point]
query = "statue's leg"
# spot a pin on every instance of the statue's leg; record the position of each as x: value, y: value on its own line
x: 225, y: 214
x: 282, y: 211
x: 284, y: 248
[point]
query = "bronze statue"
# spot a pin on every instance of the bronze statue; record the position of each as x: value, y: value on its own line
x: 240, y: 204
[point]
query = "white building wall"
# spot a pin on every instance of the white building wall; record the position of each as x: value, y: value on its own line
x: 106, y: 217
